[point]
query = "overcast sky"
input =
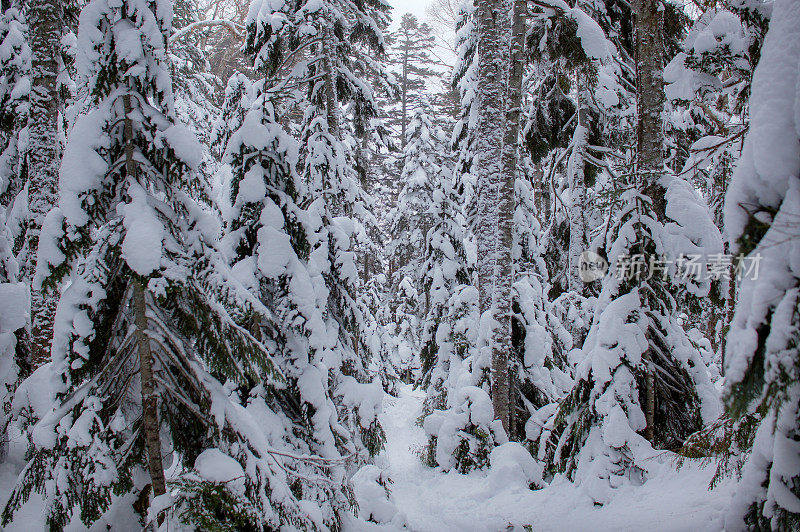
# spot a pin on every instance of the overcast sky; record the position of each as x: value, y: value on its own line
x: 415, y: 7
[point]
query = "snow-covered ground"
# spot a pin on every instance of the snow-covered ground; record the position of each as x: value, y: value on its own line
x: 430, y: 500
x: 673, y: 500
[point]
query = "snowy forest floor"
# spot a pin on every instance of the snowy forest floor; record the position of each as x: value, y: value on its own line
x: 672, y: 500
x: 430, y: 500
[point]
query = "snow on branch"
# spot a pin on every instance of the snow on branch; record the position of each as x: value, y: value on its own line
x: 233, y: 27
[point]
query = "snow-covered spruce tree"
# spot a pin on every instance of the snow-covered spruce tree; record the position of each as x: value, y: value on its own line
x: 762, y: 207
x: 268, y: 242
x: 541, y: 370
x: 195, y: 87
x: 457, y: 414
x: 423, y: 167
x: 14, y: 105
x: 14, y: 298
x: 143, y: 340
x: 330, y: 75
x: 708, y: 86
x: 405, y: 322
x: 641, y: 384
x: 240, y: 92
x: 15, y: 57
x: 349, y: 356
x: 571, y: 121
x: 321, y: 74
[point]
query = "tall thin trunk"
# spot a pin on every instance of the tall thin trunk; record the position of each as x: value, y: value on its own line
x: 150, y: 424
x: 577, y: 183
x: 504, y: 404
x: 45, y: 22
x: 404, y: 98
x: 650, y: 390
x: 650, y: 87
x: 496, y: 189
x: 650, y: 137
x: 331, y: 105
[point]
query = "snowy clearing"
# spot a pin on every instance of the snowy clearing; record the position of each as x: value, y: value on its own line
x: 432, y: 501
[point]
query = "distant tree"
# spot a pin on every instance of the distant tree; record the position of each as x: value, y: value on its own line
x: 410, y: 48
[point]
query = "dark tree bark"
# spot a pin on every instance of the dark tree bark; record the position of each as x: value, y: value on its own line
x: 650, y: 138
x: 150, y: 424
x: 45, y: 23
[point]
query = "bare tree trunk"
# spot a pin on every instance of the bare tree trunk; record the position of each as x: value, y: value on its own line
x: 650, y: 137
x: 650, y: 407
x: 150, y: 424
x: 496, y: 162
x: 45, y: 22
x: 650, y: 87
x: 510, y: 158
x: 730, y: 307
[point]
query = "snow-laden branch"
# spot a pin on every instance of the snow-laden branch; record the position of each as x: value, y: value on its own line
x: 233, y: 27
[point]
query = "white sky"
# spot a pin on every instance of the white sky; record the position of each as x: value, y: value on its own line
x: 415, y: 7
x: 419, y: 8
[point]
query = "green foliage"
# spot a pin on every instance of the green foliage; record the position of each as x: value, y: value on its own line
x: 727, y: 442
x: 473, y: 450
x: 214, y: 507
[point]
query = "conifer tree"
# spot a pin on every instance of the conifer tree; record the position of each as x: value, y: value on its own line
x: 410, y: 50
x: 458, y: 415
x: 640, y: 382
x: 267, y: 242
x: 143, y: 339
x: 324, y: 73
x: 14, y: 105
x: 422, y: 168
x: 14, y: 108
x: 763, y: 360
x: 406, y: 330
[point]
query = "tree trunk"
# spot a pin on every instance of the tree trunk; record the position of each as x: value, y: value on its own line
x: 496, y: 171
x: 577, y: 164
x: 150, y: 424
x: 650, y: 391
x: 650, y: 87
x: 331, y: 105
x: 404, y: 99
x: 650, y: 137
x: 45, y: 22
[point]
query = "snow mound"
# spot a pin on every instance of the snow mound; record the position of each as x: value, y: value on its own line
x: 216, y: 466
x: 513, y: 466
